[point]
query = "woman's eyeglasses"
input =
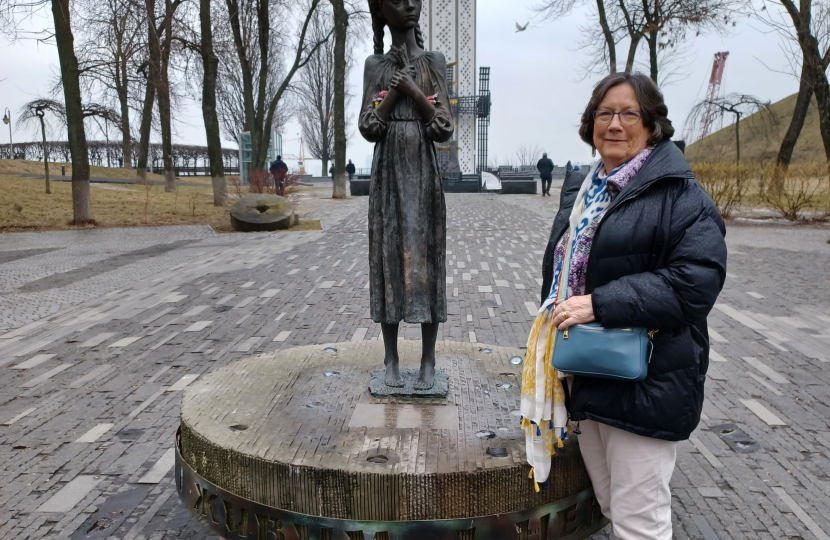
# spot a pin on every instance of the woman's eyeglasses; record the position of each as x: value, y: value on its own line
x: 628, y: 118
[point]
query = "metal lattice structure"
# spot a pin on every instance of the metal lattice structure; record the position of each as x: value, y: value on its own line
x: 478, y: 108
x: 483, y: 113
x: 714, y: 89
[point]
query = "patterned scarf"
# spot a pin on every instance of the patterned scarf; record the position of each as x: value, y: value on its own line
x: 593, y: 201
x: 544, y: 417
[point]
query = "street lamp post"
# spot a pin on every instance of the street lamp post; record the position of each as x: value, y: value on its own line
x: 7, y: 119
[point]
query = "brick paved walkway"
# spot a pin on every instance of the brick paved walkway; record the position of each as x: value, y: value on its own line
x: 94, y: 359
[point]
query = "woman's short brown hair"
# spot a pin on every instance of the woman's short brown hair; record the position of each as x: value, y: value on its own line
x: 652, y: 105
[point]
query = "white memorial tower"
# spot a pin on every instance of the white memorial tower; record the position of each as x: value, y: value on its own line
x: 449, y: 27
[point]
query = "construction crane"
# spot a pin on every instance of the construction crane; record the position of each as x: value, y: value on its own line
x: 299, y: 157
x: 712, y: 94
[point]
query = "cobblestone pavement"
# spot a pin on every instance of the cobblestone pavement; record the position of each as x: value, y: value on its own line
x: 94, y: 367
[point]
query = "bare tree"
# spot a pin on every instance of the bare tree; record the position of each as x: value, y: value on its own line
x: 199, y: 39
x: 109, y: 48
x: 160, y: 45
x: 558, y: 9
x: 737, y: 105
x: 154, y: 69
x: 35, y: 112
x: 210, y: 66
x: 341, y: 67
x: 527, y: 155
x: 808, y: 27
x: 251, y: 22
x: 348, y: 19
x: 11, y: 13
x: 315, y: 93
x: 658, y: 24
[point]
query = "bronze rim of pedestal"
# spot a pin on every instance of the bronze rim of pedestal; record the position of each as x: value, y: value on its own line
x: 294, y: 441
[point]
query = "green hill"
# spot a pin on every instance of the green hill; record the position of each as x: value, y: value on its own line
x: 760, y: 141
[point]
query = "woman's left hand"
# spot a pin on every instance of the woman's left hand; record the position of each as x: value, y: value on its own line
x: 403, y: 82
x: 575, y: 310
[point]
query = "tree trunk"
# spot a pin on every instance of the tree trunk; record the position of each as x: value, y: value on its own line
x: 166, y: 134
x: 149, y: 96
x: 822, y: 90
x: 632, y: 53
x: 802, y: 106
x: 214, y: 143
x: 78, y: 149
x: 45, y: 155
x: 146, y: 126
x: 341, y: 24
x: 738, y: 138
x: 609, y: 37
x: 163, y: 91
x: 123, y: 99
x: 652, y: 54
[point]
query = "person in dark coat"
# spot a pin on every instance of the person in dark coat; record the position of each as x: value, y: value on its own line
x: 350, y: 170
x: 331, y: 170
x: 278, y: 171
x: 656, y: 259
x: 545, y: 167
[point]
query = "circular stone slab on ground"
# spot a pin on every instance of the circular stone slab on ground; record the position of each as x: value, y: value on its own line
x: 262, y: 212
x: 298, y: 431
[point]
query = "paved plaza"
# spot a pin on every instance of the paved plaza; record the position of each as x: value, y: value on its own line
x: 101, y: 331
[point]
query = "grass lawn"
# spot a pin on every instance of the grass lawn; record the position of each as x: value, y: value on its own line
x: 24, y: 205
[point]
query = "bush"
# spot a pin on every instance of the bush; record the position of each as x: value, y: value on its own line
x: 263, y: 182
x: 724, y: 181
x: 790, y: 191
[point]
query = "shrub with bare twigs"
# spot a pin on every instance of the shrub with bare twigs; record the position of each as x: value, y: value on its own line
x: 726, y: 182
x: 287, y: 186
x: 796, y: 189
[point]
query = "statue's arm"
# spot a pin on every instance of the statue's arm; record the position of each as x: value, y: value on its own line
x: 372, y: 122
x: 441, y: 127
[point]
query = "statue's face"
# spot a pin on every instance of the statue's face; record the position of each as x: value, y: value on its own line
x: 403, y: 14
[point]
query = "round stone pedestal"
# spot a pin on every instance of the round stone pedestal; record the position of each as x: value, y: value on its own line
x: 292, y: 446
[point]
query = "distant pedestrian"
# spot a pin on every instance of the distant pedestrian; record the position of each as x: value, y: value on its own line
x: 278, y: 171
x: 350, y: 170
x: 545, y: 167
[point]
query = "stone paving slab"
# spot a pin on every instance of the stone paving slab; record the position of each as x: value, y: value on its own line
x: 110, y: 412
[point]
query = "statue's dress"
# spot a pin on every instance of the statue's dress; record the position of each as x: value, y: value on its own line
x: 407, y: 213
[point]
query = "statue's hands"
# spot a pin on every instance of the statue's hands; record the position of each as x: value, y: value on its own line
x: 403, y: 82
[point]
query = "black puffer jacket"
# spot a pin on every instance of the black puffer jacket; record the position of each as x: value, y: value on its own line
x: 658, y: 260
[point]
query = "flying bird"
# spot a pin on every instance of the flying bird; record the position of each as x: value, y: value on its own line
x: 520, y: 28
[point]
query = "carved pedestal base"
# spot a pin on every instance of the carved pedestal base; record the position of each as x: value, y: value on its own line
x: 291, y: 445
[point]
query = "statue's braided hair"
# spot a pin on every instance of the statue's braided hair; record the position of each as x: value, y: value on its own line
x: 379, y: 23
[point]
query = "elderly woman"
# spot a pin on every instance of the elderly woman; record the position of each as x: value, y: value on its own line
x: 637, y: 243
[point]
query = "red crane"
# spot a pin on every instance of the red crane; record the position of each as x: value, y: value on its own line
x: 712, y: 94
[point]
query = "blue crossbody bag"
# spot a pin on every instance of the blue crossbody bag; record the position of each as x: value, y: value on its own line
x: 609, y: 353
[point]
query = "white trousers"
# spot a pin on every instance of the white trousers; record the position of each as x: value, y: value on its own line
x: 631, y: 475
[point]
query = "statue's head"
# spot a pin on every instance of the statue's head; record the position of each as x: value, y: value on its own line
x: 398, y: 14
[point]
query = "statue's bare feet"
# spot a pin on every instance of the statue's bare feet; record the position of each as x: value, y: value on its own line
x: 393, y: 375
x: 426, y: 380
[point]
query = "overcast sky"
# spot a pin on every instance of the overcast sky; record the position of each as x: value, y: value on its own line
x: 537, y: 84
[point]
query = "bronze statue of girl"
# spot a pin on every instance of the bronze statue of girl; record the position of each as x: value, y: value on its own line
x: 405, y: 110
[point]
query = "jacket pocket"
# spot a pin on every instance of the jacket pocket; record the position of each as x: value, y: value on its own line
x: 673, y: 350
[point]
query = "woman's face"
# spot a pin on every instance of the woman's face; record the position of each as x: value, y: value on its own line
x: 617, y: 142
x: 403, y: 14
